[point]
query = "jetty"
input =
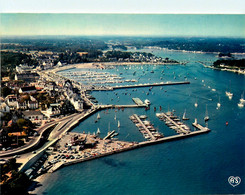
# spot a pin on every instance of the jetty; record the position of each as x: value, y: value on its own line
x: 99, y: 88
x: 109, y: 135
x: 200, y: 127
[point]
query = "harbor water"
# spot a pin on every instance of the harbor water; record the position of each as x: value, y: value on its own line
x: 196, y: 165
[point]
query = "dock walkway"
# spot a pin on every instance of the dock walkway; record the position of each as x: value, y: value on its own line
x: 145, y: 128
x: 168, y: 119
x: 200, y: 127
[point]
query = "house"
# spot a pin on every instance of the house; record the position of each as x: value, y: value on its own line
x: 4, y: 108
x: 53, y: 110
x: 28, y: 77
x: 29, y: 89
x: 22, y: 68
x: 32, y: 105
x: 33, y: 115
x: 77, y: 103
x: 59, y: 64
x: 12, y: 102
x: 22, y: 105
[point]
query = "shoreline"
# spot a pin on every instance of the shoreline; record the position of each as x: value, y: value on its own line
x: 187, y: 51
x: 234, y: 70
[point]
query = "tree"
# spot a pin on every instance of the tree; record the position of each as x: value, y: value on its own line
x: 5, y: 91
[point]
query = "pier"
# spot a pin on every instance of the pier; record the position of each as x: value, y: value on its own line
x: 170, y: 120
x: 200, y: 127
x: 144, y: 126
x: 138, y: 101
x: 109, y: 135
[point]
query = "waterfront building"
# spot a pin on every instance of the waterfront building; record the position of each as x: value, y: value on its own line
x: 27, y: 77
x: 53, y: 110
x: 33, y: 115
x: 24, y: 68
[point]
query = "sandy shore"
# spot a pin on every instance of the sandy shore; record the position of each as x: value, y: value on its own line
x: 37, y: 184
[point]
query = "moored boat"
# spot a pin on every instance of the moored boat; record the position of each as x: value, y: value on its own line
x: 184, y: 116
x: 147, y: 102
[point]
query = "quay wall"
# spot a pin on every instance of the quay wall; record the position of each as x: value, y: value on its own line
x: 141, y: 85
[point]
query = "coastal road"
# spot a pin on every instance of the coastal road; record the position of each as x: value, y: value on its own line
x: 35, y: 140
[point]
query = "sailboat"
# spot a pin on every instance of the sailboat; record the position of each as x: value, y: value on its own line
x: 196, y: 103
x: 218, y: 104
x: 184, y: 117
x: 98, y: 116
x: 115, y: 117
x: 98, y: 131
x: 242, y: 100
x: 118, y: 124
x: 206, y: 118
x: 240, y: 105
x: 229, y: 94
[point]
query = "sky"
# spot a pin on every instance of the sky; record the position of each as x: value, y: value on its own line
x: 123, y: 24
x: 123, y: 6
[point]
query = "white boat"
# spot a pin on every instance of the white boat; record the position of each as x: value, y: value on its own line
x: 184, y: 117
x: 98, y: 116
x: 98, y: 131
x: 195, y: 122
x: 242, y: 100
x: 240, y: 105
x: 229, y: 94
x: 147, y: 102
x: 206, y: 118
x: 196, y: 104
x: 115, y: 117
x: 142, y: 116
x: 218, y: 104
x: 118, y: 124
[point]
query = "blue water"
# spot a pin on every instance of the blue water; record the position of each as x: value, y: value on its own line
x: 195, y: 165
